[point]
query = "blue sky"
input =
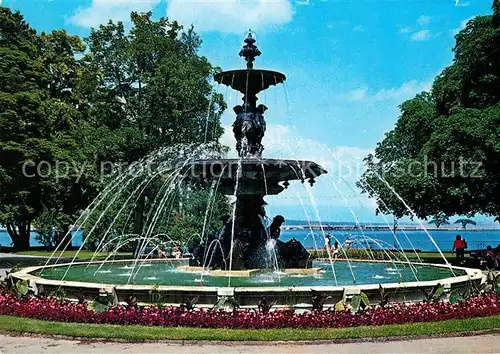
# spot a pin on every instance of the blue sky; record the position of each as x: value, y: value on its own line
x: 349, y: 63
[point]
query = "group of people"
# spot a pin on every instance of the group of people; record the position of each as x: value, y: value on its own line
x: 333, y: 252
x: 174, y: 252
x: 490, y: 257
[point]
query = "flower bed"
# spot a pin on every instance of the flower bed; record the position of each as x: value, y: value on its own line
x: 47, y: 308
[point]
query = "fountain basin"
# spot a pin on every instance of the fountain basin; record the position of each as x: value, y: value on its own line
x: 178, y: 285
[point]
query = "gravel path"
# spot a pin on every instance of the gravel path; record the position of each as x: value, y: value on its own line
x: 487, y: 343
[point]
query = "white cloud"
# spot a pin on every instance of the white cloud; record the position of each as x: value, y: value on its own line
x: 421, y: 35
x: 357, y: 94
x: 101, y: 11
x: 461, y: 3
x: 230, y: 16
x: 405, y: 91
x: 358, y: 29
x: 423, y: 20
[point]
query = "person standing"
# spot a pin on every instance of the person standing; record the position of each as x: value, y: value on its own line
x: 328, y: 245
x: 335, y: 250
x: 459, y: 249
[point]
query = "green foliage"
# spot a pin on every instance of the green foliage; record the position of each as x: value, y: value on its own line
x: 441, y: 155
x: 318, y: 300
x: 191, y: 219
x: 102, y: 303
x: 384, y: 296
x: 47, y: 226
x: 156, y: 297
x: 226, y: 302
x: 359, y: 302
x: 265, y: 305
x: 465, y: 222
x: 439, y: 220
x: 190, y: 304
x: 493, y: 280
x: 153, y: 89
x: 7, y: 283
x: 340, y: 306
x: 41, y: 121
x: 457, y: 295
x: 131, y: 93
x: 434, y: 294
x: 21, y: 288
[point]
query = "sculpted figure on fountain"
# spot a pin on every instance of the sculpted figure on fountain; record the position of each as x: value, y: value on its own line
x: 249, y: 128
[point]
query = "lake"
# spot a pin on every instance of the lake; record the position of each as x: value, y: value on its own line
x: 476, y: 239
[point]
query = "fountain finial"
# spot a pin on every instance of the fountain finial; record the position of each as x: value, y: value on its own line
x: 250, y: 50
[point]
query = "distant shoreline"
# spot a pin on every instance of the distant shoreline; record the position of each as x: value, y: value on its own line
x: 364, y: 227
x: 351, y: 227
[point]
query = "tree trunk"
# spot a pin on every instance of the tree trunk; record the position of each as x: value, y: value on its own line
x: 139, y: 216
x: 19, y: 235
x: 60, y: 241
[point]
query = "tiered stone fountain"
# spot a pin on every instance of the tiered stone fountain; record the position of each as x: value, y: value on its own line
x: 252, y: 177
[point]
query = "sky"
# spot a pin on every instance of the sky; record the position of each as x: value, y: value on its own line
x: 349, y: 64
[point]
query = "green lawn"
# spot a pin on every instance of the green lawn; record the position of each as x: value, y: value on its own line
x: 83, y: 254
x: 431, y: 257
x: 140, y: 333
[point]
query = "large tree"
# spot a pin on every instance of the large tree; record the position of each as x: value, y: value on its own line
x: 442, y: 157
x: 152, y: 90
x: 40, y: 123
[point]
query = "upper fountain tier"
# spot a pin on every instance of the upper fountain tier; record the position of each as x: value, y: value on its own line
x: 251, y: 174
x: 250, y: 81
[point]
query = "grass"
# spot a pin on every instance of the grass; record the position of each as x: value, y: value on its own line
x: 426, y: 257
x: 430, y: 255
x: 141, y: 333
x: 83, y: 254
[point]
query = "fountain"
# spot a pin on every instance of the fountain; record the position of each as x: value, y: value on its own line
x: 252, y: 177
x: 246, y: 260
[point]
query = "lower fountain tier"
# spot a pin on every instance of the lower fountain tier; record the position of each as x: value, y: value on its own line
x: 257, y: 176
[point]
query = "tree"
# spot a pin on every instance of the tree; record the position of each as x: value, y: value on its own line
x: 439, y: 220
x: 443, y: 153
x: 465, y: 222
x: 153, y: 90
x: 131, y: 94
x: 21, y: 81
x: 41, y: 125
x: 190, y: 221
x: 496, y: 13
